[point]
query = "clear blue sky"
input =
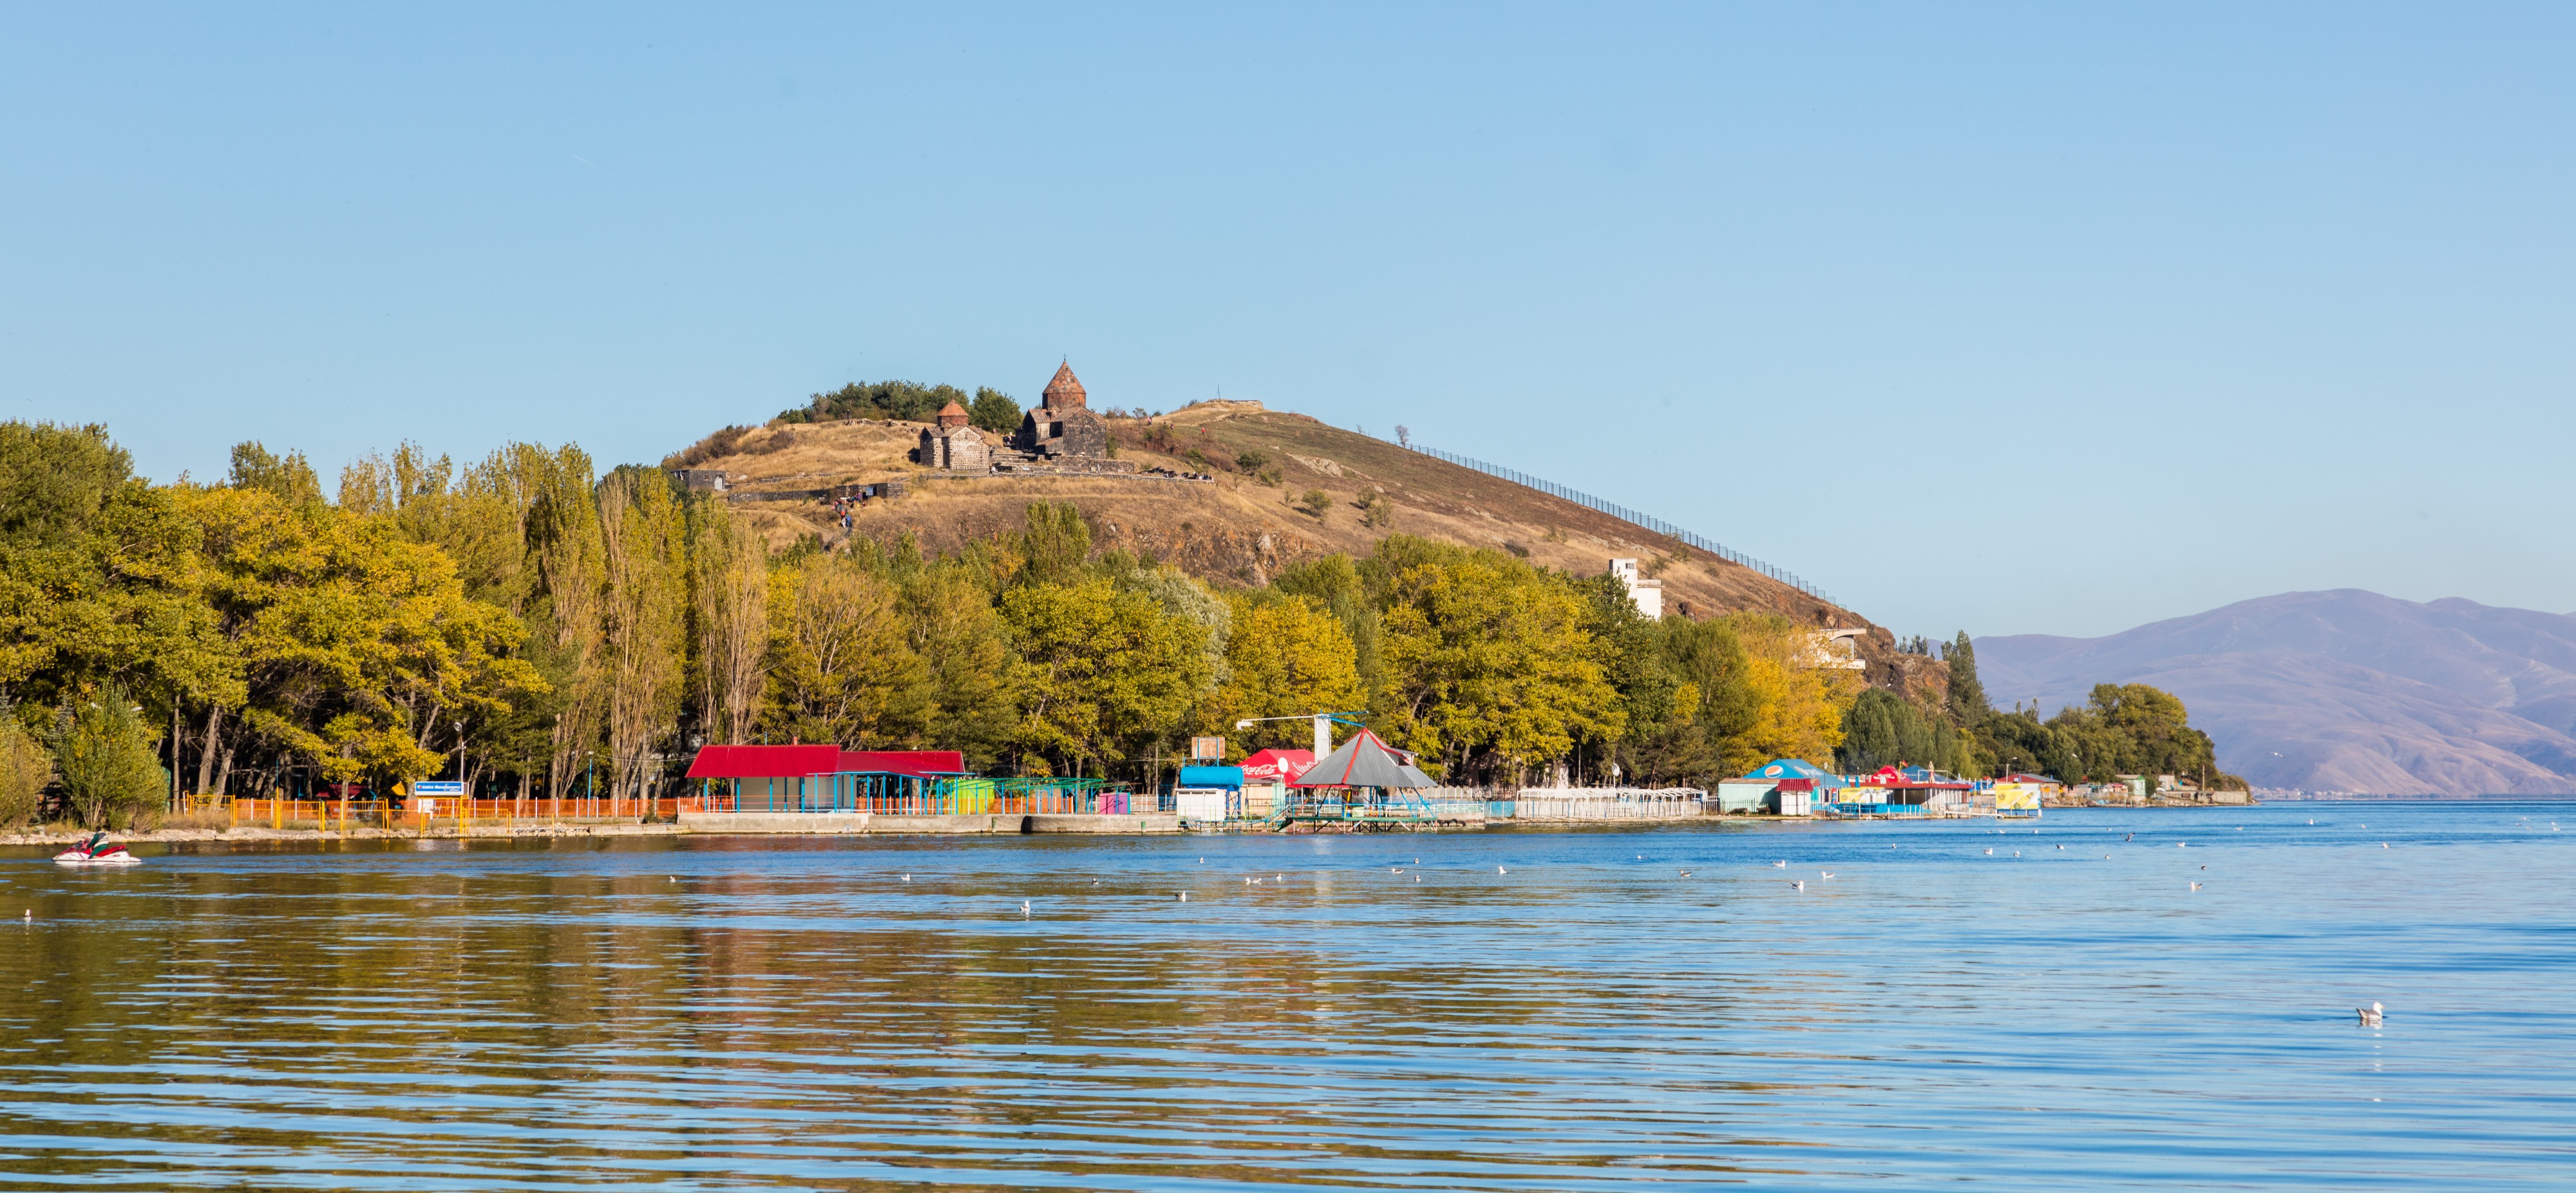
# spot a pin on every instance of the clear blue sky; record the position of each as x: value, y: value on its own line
x: 2037, y: 318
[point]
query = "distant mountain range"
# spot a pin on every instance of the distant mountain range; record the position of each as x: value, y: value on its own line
x: 2340, y: 691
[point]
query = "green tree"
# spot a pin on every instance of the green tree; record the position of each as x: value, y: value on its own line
x: 96, y: 583
x: 992, y: 410
x: 1286, y: 656
x: 1489, y: 663
x: 840, y: 669
x: 1106, y: 671
x: 1967, y: 695
x: 289, y: 477
x: 25, y: 771
x: 1315, y: 502
x: 1056, y: 544
x: 971, y: 701
x: 105, y: 749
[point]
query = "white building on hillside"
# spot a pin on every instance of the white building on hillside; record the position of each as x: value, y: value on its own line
x: 1648, y: 595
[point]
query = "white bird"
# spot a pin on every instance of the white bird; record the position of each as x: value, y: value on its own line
x: 2106, y: 857
x: 1024, y: 908
x: 675, y: 878
x: 1417, y: 878
x: 1280, y: 877
x: 1826, y: 873
x: 1500, y: 870
x: 1782, y: 865
x: 2370, y: 1015
x: 1801, y: 884
x: 2195, y: 886
x: 2182, y: 844
x: 907, y: 878
x: 2061, y: 847
x: 1183, y: 896
x: 1990, y: 853
x: 2312, y: 820
x: 2383, y: 845
x: 1685, y: 873
x: 1095, y: 882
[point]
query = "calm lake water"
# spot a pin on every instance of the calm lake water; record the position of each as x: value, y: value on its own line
x: 672, y: 1014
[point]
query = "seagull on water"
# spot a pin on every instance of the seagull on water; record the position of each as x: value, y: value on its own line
x: 1990, y: 853
x: 1500, y: 870
x: 2383, y: 845
x: 1782, y: 865
x: 1685, y: 873
x: 2370, y: 1015
x: 2195, y: 886
x: 1801, y: 884
x: 1183, y: 896
x: 1826, y: 873
x: 908, y: 878
x: 1024, y: 909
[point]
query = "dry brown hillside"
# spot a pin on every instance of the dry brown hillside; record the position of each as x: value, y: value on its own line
x: 1236, y: 528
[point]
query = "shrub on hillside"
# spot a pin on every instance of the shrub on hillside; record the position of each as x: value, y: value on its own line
x: 908, y: 401
x: 722, y: 443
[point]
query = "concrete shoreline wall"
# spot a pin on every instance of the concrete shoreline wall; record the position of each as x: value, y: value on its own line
x: 873, y: 823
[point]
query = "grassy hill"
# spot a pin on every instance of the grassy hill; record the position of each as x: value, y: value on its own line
x: 1244, y: 525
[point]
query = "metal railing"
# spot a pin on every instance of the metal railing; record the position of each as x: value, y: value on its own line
x: 1624, y: 514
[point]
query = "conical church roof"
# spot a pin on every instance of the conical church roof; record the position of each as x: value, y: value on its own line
x: 1064, y: 391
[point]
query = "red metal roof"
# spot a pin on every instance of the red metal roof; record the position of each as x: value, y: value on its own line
x: 764, y: 762
x: 903, y: 762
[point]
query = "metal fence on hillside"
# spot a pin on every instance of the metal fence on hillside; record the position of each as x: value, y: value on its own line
x: 1624, y: 514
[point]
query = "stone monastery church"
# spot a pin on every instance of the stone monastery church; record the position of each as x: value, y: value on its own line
x: 1059, y: 434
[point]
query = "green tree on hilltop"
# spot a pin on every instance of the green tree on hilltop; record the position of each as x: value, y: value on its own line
x: 992, y: 410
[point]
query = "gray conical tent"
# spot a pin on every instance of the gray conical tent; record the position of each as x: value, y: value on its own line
x: 1363, y: 761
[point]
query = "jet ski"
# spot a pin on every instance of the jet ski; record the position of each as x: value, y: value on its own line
x: 97, y: 851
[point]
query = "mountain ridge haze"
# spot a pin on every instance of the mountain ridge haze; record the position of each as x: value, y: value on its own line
x: 2341, y: 690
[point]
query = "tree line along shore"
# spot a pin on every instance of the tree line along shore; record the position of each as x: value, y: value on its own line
x: 535, y: 626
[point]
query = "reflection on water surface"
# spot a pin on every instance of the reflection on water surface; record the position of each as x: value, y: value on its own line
x: 735, y: 1013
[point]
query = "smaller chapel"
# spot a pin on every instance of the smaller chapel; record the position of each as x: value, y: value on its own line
x: 951, y: 444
